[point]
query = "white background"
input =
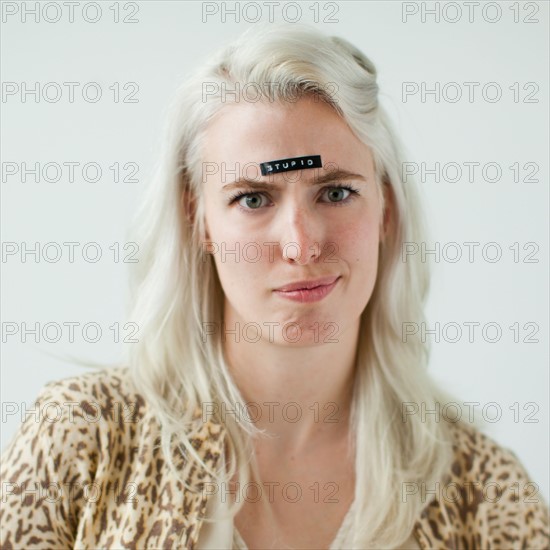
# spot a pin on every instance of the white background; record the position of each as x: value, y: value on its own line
x: 158, y: 51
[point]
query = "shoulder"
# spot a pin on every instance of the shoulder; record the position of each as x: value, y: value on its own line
x: 72, y: 411
x: 488, y: 499
x: 101, y: 399
x: 478, y: 457
x: 72, y: 423
x: 75, y: 427
x: 102, y: 386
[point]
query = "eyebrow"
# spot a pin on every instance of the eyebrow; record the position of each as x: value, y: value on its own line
x: 333, y: 175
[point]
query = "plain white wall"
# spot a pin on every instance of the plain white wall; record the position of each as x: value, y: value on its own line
x: 505, y: 44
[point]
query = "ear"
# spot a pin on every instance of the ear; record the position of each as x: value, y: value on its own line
x: 189, y: 207
x: 388, y: 216
x: 188, y: 204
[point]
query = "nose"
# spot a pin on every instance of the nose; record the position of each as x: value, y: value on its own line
x: 302, y: 235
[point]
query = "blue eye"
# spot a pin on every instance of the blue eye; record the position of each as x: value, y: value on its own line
x: 252, y: 200
x: 338, y: 194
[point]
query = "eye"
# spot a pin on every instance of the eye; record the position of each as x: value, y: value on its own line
x: 339, y: 193
x: 248, y: 201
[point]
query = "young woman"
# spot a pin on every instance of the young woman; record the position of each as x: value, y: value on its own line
x: 272, y: 400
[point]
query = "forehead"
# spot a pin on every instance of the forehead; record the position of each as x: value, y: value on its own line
x: 247, y: 133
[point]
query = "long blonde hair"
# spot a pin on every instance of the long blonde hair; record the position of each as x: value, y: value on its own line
x: 175, y: 291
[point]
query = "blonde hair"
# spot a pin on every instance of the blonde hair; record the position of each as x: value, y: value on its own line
x: 175, y: 291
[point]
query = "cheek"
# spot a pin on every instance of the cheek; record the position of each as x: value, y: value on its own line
x: 359, y: 250
x: 241, y: 260
x: 358, y: 242
x: 239, y: 253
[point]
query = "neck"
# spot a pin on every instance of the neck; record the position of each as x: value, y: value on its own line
x: 300, y: 395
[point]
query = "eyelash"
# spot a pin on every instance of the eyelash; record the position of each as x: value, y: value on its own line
x: 241, y: 194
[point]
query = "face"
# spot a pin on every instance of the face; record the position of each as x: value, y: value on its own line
x: 266, y: 232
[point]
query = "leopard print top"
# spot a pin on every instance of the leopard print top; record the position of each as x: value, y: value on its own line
x: 85, y: 471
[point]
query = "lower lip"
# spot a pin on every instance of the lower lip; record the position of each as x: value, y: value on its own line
x: 308, y: 295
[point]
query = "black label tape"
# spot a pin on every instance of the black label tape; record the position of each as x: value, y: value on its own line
x: 285, y: 165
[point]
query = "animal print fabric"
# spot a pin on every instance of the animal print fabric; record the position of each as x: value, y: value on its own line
x: 85, y: 470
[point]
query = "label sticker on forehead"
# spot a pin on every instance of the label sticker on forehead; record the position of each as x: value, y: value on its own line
x: 285, y: 165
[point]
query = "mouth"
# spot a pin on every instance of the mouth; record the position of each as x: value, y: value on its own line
x: 308, y: 291
x: 308, y: 284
